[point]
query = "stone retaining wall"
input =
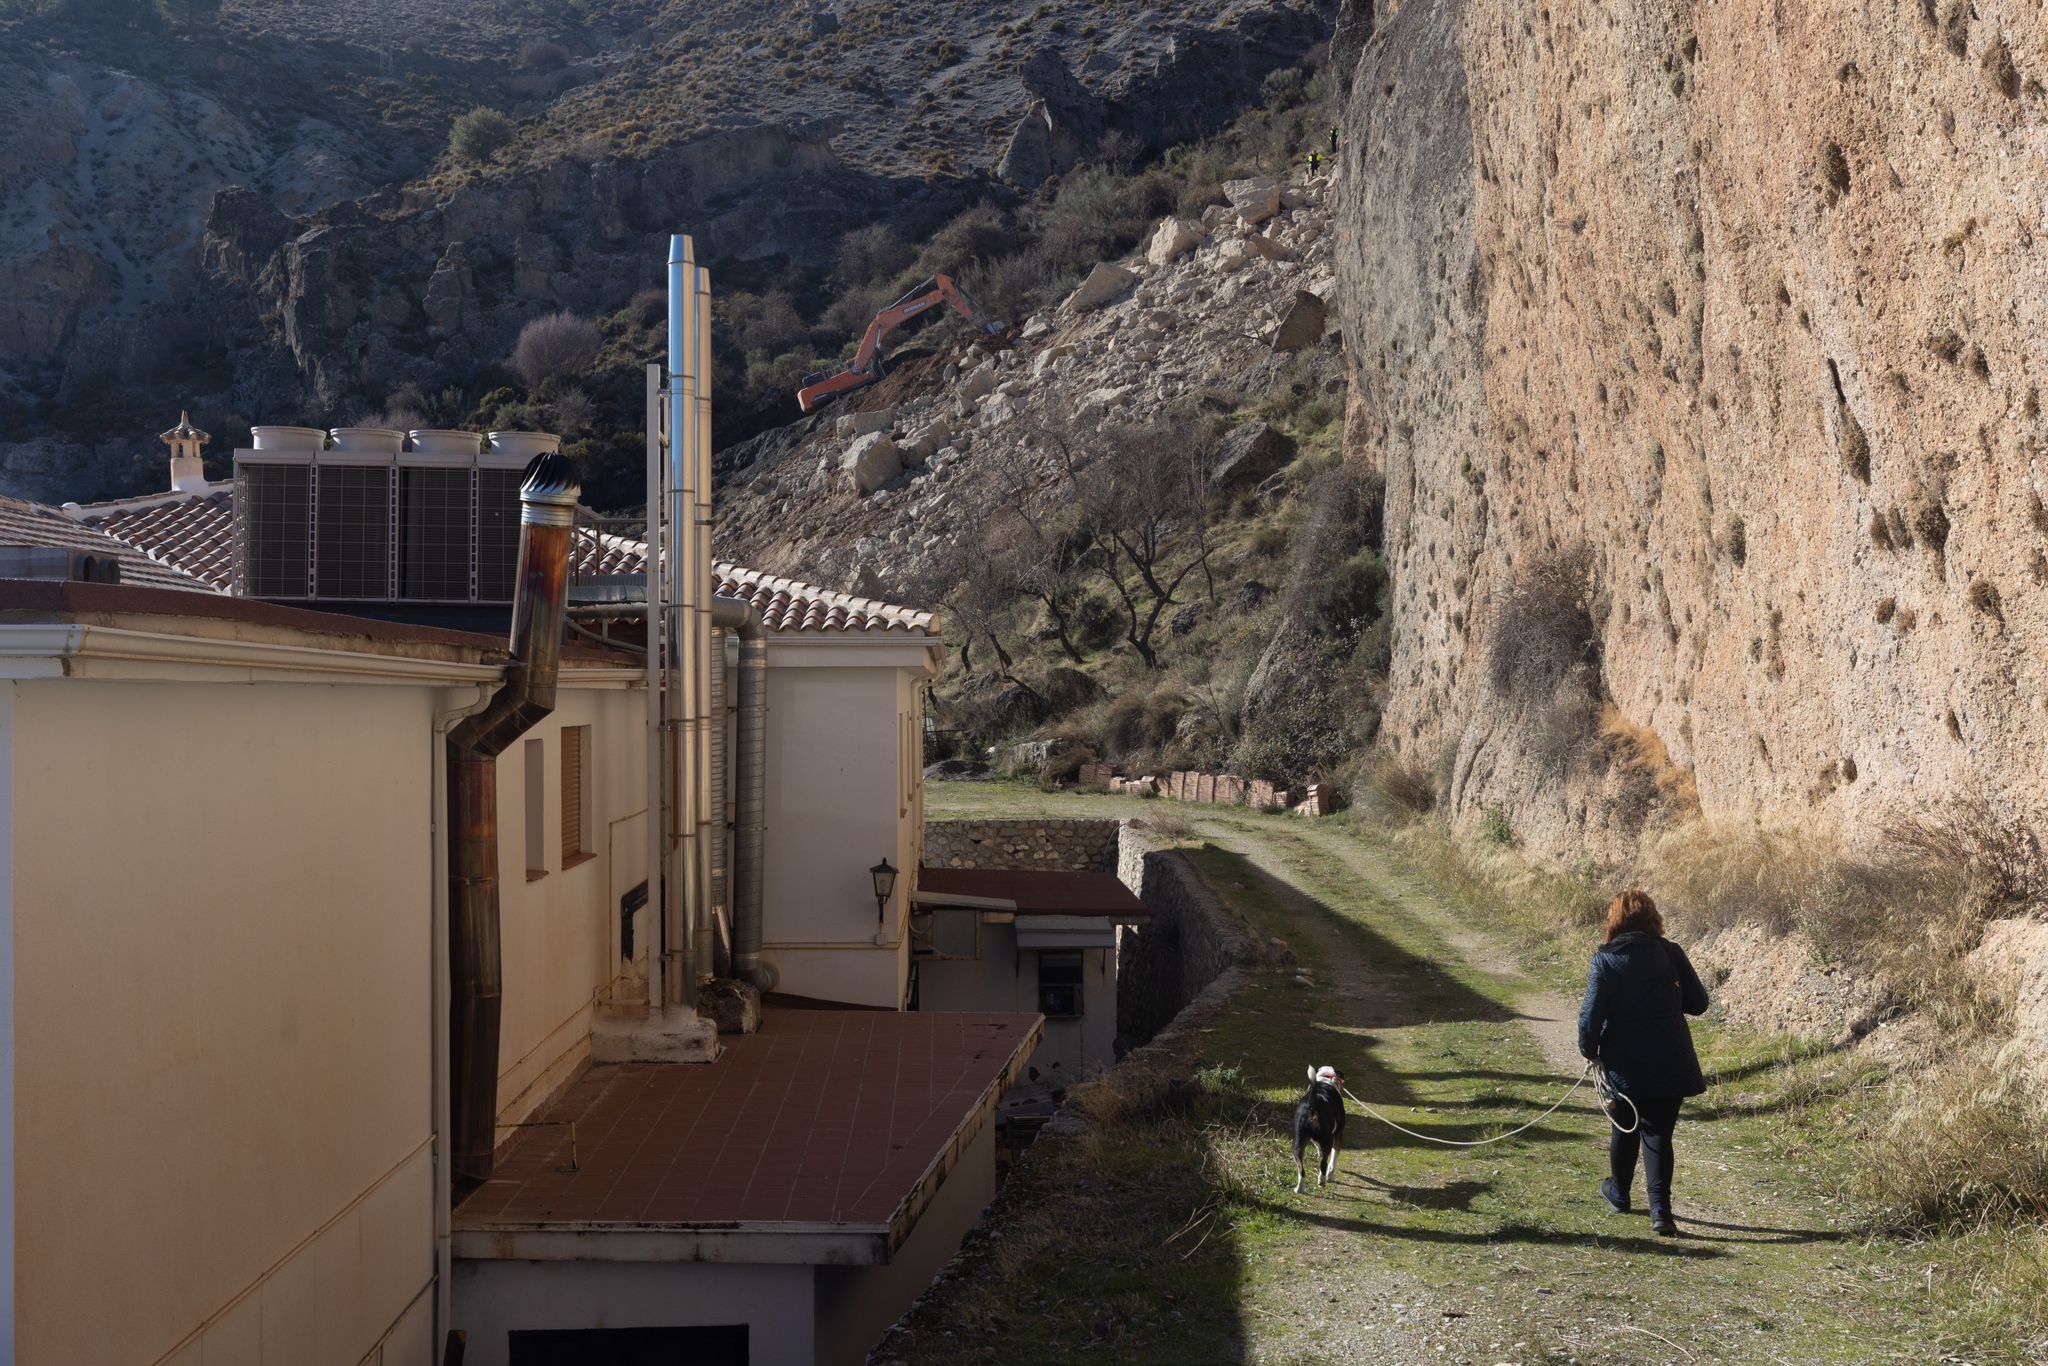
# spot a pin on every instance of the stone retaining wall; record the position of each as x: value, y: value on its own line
x: 1080, y: 846
x: 1191, y: 942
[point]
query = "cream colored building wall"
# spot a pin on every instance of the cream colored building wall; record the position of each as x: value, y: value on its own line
x: 844, y: 791
x: 559, y: 933
x: 223, y: 1072
x: 1005, y: 977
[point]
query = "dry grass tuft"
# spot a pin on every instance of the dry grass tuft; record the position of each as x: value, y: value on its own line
x: 1964, y: 1149
x: 1404, y: 783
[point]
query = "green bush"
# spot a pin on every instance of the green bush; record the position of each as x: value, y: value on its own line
x: 477, y: 136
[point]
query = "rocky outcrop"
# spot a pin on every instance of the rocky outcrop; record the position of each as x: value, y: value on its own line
x: 1695, y: 322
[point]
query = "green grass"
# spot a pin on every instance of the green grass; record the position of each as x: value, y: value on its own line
x: 1169, y: 1230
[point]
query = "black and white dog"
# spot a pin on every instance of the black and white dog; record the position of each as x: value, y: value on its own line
x: 1319, y: 1118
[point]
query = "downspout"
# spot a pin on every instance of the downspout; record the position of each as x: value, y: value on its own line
x: 717, y: 959
x: 750, y: 763
x: 444, y: 1183
x: 547, y: 516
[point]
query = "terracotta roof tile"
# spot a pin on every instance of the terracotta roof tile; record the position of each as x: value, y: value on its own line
x: 196, y: 535
x: 26, y: 523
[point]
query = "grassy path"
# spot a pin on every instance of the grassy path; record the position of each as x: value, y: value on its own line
x: 1417, y: 1252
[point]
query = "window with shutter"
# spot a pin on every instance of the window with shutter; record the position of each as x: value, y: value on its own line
x: 575, y: 794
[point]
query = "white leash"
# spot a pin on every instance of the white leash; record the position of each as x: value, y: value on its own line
x: 1605, y: 1089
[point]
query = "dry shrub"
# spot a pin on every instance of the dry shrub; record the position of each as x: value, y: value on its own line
x: 1649, y: 780
x: 1995, y: 858
x: 1543, y: 626
x: 1908, y: 912
x: 1171, y: 827
x: 1404, y: 783
x: 555, y: 345
x: 1963, y: 1149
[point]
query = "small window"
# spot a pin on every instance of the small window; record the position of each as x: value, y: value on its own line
x: 536, y: 810
x: 575, y: 795
x: 1059, y: 983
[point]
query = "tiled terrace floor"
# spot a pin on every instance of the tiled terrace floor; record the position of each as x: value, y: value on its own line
x: 822, y: 1117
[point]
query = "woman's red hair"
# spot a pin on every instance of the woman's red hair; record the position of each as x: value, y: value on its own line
x: 1633, y: 912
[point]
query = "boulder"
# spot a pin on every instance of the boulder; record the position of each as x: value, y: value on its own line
x: 977, y: 382
x: 1255, y: 199
x: 1267, y: 246
x: 1248, y: 453
x: 927, y: 443
x: 860, y: 424
x: 1048, y: 358
x: 1104, y: 284
x: 1233, y: 257
x: 871, y: 461
x: 1173, y: 239
x: 1306, y: 320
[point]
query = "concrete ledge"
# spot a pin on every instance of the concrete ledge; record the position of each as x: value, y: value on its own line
x: 792, y: 1244
x: 678, y: 1036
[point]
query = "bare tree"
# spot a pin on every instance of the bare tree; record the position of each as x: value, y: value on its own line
x: 1140, y: 498
x: 1040, y: 560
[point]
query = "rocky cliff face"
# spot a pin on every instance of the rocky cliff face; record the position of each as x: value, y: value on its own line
x: 248, y: 219
x: 1701, y: 346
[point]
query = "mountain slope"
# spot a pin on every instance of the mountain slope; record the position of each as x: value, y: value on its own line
x: 250, y: 213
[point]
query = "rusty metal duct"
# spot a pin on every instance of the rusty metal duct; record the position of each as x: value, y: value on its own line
x: 547, y: 516
x: 750, y: 764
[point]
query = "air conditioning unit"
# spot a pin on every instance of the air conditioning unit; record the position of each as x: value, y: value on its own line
x: 59, y: 562
x: 370, y: 518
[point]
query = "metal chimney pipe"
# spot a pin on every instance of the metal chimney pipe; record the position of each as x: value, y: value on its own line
x: 750, y: 762
x: 681, y: 882
x: 547, y: 517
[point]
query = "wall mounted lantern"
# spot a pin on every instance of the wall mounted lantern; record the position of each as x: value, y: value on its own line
x: 885, y: 887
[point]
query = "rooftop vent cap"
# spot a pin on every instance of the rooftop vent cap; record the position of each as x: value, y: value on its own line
x: 524, y: 445
x: 381, y: 441
x: 446, y: 441
x: 307, y: 439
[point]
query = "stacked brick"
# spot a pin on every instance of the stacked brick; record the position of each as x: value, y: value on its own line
x: 1225, y: 789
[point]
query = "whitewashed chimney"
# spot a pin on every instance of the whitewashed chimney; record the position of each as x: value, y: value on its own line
x: 188, y: 471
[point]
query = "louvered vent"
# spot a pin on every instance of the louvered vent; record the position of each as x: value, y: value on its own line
x: 352, y: 524
x: 434, y: 512
x: 497, y: 533
x: 273, y: 553
x: 575, y: 829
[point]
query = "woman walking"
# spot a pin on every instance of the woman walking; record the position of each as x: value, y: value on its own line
x: 1640, y: 989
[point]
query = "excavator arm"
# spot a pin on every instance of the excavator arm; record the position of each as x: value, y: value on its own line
x: 866, y: 366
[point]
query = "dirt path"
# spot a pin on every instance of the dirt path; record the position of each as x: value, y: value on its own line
x: 1491, y: 1256
x: 1502, y: 1254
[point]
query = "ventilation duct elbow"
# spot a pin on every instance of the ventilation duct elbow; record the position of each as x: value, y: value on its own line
x: 548, y: 496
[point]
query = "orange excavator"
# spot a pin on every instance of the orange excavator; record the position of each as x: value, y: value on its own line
x: 866, y: 366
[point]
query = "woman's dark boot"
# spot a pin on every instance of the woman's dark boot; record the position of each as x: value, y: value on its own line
x: 1615, y: 1196
x: 1661, y: 1222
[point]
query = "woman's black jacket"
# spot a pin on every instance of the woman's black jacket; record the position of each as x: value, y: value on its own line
x: 1638, y: 994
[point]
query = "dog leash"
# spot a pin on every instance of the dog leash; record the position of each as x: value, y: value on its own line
x: 1604, y: 1087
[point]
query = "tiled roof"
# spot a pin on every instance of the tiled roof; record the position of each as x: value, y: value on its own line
x: 823, y: 1117
x: 26, y: 523
x: 788, y: 605
x: 197, y: 535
